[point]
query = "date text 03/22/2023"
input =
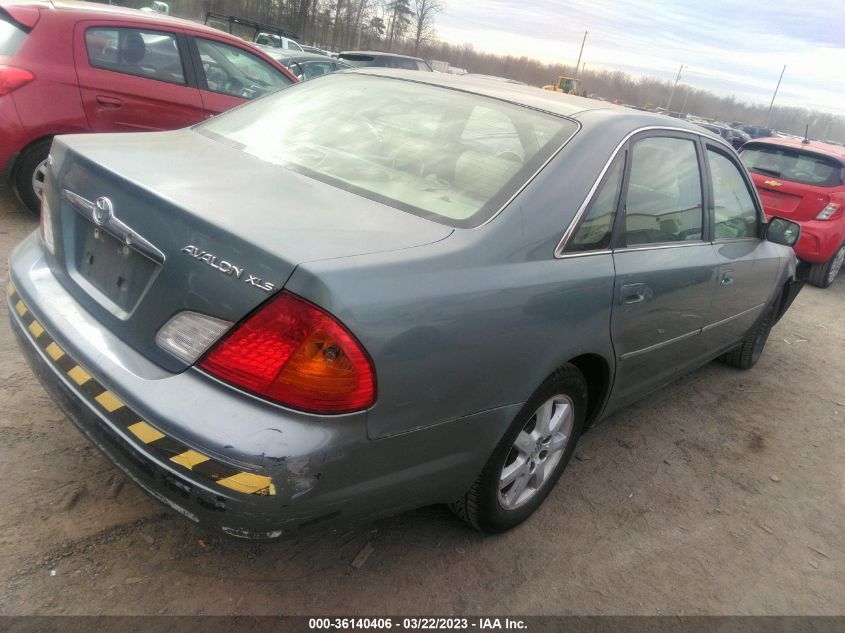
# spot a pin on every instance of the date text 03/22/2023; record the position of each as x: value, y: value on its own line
x: 418, y: 623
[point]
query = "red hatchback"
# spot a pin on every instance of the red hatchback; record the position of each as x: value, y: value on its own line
x: 804, y: 181
x: 68, y: 67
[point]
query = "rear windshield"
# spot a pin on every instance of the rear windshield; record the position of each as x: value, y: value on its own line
x: 806, y: 168
x: 386, y: 61
x: 11, y: 36
x: 357, y: 60
x: 450, y: 156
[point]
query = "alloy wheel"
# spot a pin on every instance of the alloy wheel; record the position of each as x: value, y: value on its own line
x: 38, y: 177
x: 836, y: 265
x: 536, y: 452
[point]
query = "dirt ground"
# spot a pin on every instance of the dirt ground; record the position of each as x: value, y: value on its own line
x: 722, y: 494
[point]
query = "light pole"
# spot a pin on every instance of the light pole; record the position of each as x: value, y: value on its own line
x: 686, y: 97
x: 581, y: 52
x: 771, y: 105
x: 675, y: 85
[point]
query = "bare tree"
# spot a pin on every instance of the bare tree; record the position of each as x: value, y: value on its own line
x: 423, y: 20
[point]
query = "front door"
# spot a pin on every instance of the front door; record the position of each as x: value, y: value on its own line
x: 228, y: 75
x: 748, y: 264
x: 665, y: 265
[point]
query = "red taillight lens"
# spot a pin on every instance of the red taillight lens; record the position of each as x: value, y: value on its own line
x: 834, y: 209
x: 292, y: 352
x: 12, y: 78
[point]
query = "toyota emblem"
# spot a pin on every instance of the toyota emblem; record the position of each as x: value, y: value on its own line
x: 103, y: 211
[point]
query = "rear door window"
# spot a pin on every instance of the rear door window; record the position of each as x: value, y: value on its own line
x: 664, y: 201
x: 734, y: 212
x: 806, y: 168
x: 150, y: 54
x: 11, y: 37
x: 233, y: 71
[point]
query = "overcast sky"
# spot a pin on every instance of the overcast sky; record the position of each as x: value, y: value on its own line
x: 730, y: 47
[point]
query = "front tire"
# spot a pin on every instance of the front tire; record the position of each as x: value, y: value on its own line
x: 531, y: 456
x: 824, y: 274
x: 29, y: 174
x: 748, y: 353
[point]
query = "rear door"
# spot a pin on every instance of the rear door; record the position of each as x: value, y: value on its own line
x: 665, y: 264
x: 748, y: 264
x: 229, y: 75
x: 135, y: 78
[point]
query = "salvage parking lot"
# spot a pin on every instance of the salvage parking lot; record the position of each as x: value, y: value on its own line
x: 722, y: 494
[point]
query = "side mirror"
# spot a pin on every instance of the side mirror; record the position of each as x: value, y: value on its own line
x: 782, y: 231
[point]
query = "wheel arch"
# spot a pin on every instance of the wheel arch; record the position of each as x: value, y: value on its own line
x: 790, y: 288
x: 596, y: 371
x: 12, y: 168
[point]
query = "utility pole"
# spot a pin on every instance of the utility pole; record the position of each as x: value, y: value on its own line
x: 771, y: 105
x: 581, y: 52
x: 675, y: 85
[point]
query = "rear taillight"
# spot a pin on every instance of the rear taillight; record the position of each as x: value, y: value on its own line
x: 828, y: 211
x: 12, y: 78
x: 292, y: 352
x: 833, y: 209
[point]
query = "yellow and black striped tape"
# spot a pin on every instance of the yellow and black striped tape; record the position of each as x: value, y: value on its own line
x: 166, y: 447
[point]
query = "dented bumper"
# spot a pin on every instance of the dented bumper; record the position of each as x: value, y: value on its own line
x: 197, y: 486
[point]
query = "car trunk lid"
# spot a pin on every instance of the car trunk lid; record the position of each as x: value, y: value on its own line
x: 148, y: 225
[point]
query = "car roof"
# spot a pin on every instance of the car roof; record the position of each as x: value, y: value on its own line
x: 287, y: 55
x: 112, y: 11
x: 533, y: 97
x: 380, y: 54
x: 834, y: 151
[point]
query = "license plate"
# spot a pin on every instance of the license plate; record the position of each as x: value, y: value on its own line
x: 118, y: 271
x: 779, y: 201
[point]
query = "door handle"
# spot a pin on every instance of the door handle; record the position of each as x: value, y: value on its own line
x: 109, y: 102
x: 727, y: 278
x: 633, y: 293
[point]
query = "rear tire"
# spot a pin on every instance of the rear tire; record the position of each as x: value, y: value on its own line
x: 536, y: 450
x: 824, y: 274
x: 748, y: 353
x: 29, y: 175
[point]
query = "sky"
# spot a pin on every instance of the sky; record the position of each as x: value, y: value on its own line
x: 728, y: 47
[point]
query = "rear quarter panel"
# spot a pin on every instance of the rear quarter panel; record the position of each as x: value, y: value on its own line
x: 51, y: 104
x: 476, y: 321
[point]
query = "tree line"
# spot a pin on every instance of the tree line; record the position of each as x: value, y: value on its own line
x: 336, y: 24
x: 408, y: 26
x: 644, y: 92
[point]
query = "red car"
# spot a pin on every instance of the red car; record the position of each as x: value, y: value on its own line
x: 804, y: 181
x: 68, y: 67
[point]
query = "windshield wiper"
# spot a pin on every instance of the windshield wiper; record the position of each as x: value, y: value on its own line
x: 770, y: 172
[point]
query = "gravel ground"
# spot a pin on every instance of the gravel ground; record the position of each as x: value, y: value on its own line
x: 721, y: 494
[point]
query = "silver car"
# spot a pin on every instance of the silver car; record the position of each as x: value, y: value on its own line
x: 379, y: 290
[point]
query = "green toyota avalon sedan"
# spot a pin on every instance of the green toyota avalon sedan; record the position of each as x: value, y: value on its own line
x: 378, y: 290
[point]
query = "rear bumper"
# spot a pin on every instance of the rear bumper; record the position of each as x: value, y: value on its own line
x: 222, y: 458
x: 819, y: 239
x: 109, y: 425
